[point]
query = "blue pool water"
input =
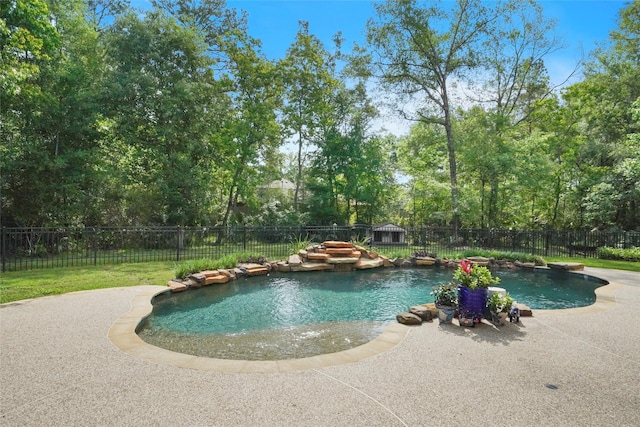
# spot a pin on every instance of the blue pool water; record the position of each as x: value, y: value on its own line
x: 288, y: 315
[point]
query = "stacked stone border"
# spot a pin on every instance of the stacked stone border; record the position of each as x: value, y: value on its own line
x: 346, y: 256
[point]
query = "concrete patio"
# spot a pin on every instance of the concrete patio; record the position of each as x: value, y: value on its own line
x: 564, y: 367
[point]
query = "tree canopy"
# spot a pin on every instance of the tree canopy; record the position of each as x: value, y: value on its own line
x: 173, y: 115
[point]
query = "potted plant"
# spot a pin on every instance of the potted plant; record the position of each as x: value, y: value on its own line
x: 445, y: 297
x: 499, y: 305
x: 473, y: 281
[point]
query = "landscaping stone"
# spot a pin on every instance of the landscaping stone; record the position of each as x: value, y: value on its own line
x: 408, y: 319
x: 177, y: 286
x: 364, y: 263
x: 339, y: 251
x: 566, y: 266
x: 193, y: 284
x: 422, y: 312
x: 423, y: 261
x: 312, y: 256
x: 218, y: 279
x: 397, y: 262
x: 432, y: 308
x: 294, y: 260
x: 283, y: 267
x: 198, y: 277
x: 525, y: 311
x: 342, y: 260
x: 337, y: 244
x: 478, y: 260
x: 209, y: 273
x: 257, y: 271
x: 312, y: 266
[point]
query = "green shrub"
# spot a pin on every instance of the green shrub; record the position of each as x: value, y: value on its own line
x: 632, y: 254
x: 511, y: 256
x: 299, y: 244
x: 394, y: 253
x: 184, y: 269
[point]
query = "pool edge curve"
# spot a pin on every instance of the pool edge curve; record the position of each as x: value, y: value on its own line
x: 122, y: 335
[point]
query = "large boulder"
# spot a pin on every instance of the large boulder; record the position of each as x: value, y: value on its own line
x: 565, y: 266
x: 422, y: 312
x: 422, y: 261
x: 408, y: 319
x: 364, y: 263
x: 312, y: 266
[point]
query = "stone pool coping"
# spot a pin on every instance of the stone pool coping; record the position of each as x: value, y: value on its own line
x: 123, y: 335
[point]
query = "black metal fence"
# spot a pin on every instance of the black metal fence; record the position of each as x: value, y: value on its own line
x: 31, y: 248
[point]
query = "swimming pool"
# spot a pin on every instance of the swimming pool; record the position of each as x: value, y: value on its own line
x: 305, y: 314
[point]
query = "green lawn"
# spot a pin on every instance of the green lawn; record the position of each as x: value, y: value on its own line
x: 18, y: 285
x: 600, y: 263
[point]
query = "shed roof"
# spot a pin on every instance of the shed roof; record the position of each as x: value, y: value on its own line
x: 388, y: 226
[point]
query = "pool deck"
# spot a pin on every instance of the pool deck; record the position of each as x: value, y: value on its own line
x: 58, y: 366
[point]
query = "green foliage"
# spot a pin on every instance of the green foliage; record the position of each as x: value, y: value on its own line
x: 498, y: 303
x: 184, y: 269
x: 17, y: 285
x: 506, y: 255
x: 299, y: 244
x: 632, y: 254
x: 474, y: 276
x: 445, y: 295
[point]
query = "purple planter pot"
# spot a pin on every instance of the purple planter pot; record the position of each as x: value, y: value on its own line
x: 471, y: 303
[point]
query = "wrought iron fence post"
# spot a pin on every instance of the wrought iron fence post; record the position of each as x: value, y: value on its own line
x: 178, y: 242
x: 244, y: 237
x: 4, y: 249
x: 95, y: 246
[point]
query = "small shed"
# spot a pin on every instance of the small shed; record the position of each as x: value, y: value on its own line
x: 388, y: 234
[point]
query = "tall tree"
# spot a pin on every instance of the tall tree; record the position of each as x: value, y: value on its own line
x: 420, y: 52
x: 606, y: 102
x: 308, y: 84
x: 251, y: 132
x: 53, y: 177
x: 164, y: 103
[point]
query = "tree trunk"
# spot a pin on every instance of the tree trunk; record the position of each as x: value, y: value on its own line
x: 299, y: 176
x: 453, y: 175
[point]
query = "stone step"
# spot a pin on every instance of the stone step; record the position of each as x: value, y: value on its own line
x: 339, y: 251
x: 337, y: 244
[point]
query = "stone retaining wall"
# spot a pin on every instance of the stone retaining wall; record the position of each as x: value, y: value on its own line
x: 329, y: 256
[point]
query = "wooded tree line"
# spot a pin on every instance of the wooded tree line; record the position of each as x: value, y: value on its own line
x: 174, y: 116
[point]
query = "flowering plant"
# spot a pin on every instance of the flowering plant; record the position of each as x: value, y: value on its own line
x: 474, y: 276
x: 445, y: 295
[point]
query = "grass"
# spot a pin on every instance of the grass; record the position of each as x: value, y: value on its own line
x: 19, y: 285
x: 600, y: 263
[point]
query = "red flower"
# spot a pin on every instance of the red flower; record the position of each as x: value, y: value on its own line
x: 465, y: 265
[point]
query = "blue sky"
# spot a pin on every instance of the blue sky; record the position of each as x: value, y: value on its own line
x: 580, y: 24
